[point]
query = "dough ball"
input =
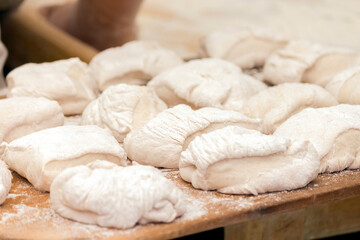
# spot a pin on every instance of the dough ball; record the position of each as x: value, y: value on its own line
x: 112, y: 196
x: 236, y: 160
x: 41, y: 156
x: 303, y: 61
x: 276, y: 104
x: 135, y: 62
x: 345, y: 86
x: 122, y: 108
x: 23, y: 115
x: 5, y: 180
x: 160, y: 141
x: 246, y: 47
x: 207, y: 82
x: 334, y: 132
x: 65, y: 81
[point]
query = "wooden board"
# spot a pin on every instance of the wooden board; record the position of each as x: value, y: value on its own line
x: 28, y: 210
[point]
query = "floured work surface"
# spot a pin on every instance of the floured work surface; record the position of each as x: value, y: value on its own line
x: 26, y: 214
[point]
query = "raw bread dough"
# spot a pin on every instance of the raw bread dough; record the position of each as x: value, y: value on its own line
x: 303, y: 61
x: 42, y: 155
x: 73, y: 120
x: 345, y: 86
x: 160, y: 141
x: 5, y: 181
x: 111, y: 196
x: 122, y: 108
x: 207, y: 82
x: 66, y: 81
x: 276, y: 104
x: 23, y: 115
x: 135, y: 62
x: 334, y: 132
x: 246, y: 47
x: 236, y: 160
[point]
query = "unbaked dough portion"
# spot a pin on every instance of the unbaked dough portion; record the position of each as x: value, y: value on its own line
x: 122, y: 108
x: 345, y: 86
x: 66, y: 81
x: 23, y: 115
x: 246, y: 47
x: 302, y: 61
x: 111, y: 196
x: 5, y: 180
x: 276, y: 104
x: 208, y: 82
x: 334, y: 132
x: 135, y: 62
x: 42, y: 155
x: 236, y: 160
x: 160, y: 141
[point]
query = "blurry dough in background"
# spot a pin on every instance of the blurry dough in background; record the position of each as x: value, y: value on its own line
x: 345, y: 86
x: 122, y: 108
x: 246, y: 47
x: 208, y: 82
x: 23, y: 115
x: 236, y: 160
x: 5, y: 181
x: 303, y: 61
x: 73, y: 120
x: 160, y: 141
x: 276, y: 104
x: 334, y: 132
x: 111, y: 196
x: 41, y: 156
x: 66, y: 81
x: 135, y: 62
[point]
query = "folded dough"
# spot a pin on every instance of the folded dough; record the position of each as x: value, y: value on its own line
x: 135, y: 62
x: 236, y: 160
x: 66, y: 81
x: 345, y: 86
x: 111, y: 196
x: 246, y: 47
x: 276, y: 104
x: 5, y: 181
x: 334, y: 132
x: 160, y: 141
x: 23, y: 115
x: 122, y: 108
x: 42, y: 155
x: 303, y: 61
x: 207, y: 82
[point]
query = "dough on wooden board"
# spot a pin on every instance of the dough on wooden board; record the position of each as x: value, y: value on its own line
x: 65, y: 81
x: 160, y: 141
x: 236, y: 160
x: 246, y: 47
x: 23, y: 115
x: 276, y: 104
x: 111, y: 196
x: 303, y: 61
x: 208, y: 82
x: 135, y: 62
x: 5, y: 181
x: 42, y: 155
x: 122, y: 108
x: 334, y: 132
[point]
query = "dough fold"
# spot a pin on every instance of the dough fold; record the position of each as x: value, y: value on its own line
x: 5, y: 181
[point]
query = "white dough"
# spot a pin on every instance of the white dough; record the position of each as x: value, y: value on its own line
x: 23, y: 115
x: 334, y: 132
x: 66, y: 81
x: 42, y: 155
x: 276, y: 104
x: 122, y: 108
x: 246, y: 47
x: 236, y: 160
x: 135, y: 62
x: 5, y: 181
x: 112, y: 196
x: 160, y: 141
